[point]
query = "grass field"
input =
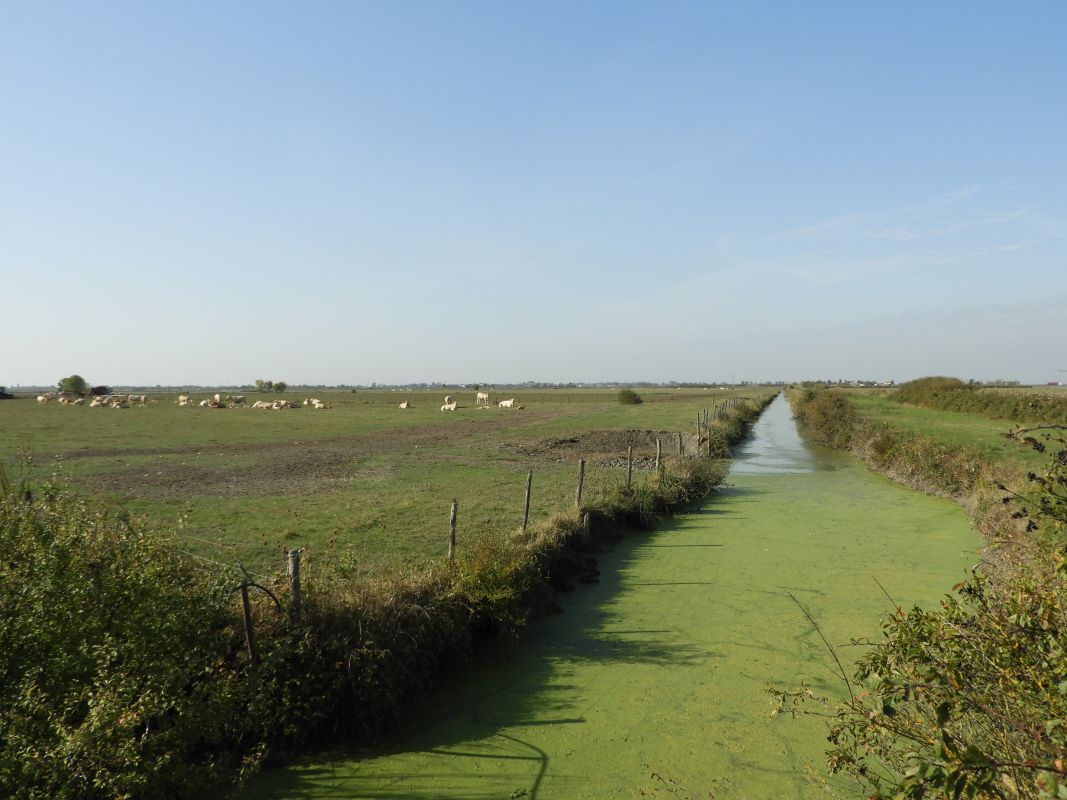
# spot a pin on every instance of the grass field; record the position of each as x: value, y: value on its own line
x: 981, y: 434
x: 362, y: 481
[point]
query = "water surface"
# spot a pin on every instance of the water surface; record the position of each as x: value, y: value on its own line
x: 661, y: 672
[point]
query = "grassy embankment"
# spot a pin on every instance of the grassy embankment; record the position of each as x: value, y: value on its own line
x: 970, y: 698
x: 362, y: 481
x: 109, y: 707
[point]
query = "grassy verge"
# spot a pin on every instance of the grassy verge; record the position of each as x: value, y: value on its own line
x: 968, y: 699
x: 124, y: 670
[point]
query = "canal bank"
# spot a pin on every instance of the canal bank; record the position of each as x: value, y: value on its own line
x: 659, y: 676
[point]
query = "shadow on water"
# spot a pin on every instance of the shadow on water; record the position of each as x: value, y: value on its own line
x: 478, y: 717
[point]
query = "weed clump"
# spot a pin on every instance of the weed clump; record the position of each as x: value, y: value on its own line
x: 628, y: 397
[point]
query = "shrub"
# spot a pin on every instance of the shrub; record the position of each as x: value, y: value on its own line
x: 75, y: 384
x: 114, y: 676
x: 628, y: 397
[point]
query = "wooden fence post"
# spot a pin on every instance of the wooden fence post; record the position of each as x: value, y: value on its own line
x: 526, y: 506
x: 629, y: 465
x: 581, y: 480
x: 250, y: 636
x: 659, y: 452
x: 294, y: 584
x: 452, y: 532
x: 680, y: 443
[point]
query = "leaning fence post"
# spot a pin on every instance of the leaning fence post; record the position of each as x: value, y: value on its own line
x: 629, y: 465
x: 658, y: 453
x: 526, y: 506
x: 250, y: 637
x: 680, y: 443
x: 581, y: 480
x: 452, y: 532
x: 294, y: 584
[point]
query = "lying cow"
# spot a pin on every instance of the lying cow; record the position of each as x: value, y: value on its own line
x: 506, y: 403
x: 449, y: 406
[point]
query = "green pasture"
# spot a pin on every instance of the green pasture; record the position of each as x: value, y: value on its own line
x: 362, y: 481
x: 980, y: 434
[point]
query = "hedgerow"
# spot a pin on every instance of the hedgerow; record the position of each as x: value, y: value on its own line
x: 951, y: 394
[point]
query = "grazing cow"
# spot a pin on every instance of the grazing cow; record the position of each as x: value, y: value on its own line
x: 449, y: 400
x: 405, y: 404
x: 236, y: 399
x: 482, y: 398
x: 506, y: 403
x: 449, y: 406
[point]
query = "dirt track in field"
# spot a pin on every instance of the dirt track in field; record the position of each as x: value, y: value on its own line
x: 324, y: 465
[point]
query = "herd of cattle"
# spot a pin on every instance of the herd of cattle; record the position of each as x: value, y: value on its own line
x: 480, y: 401
x: 218, y: 401
x: 236, y: 401
x: 98, y: 401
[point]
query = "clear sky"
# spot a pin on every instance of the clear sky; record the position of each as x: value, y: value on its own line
x: 501, y: 191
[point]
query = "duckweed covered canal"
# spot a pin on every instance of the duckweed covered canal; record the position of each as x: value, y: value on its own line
x: 660, y: 674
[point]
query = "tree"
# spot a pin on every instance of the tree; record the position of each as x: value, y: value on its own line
x: 281, y: 386
x: 75, y: 384
x: 264, y: 386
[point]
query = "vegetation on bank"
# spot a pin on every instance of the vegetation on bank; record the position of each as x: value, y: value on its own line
x: 952, y: 394
x: 124, y: 668
x: 968, y: 699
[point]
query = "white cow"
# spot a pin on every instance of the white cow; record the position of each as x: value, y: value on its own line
x: 42, y: 399
x: 482, y: 398
x: 506, y: 403
x: 406, y: 404
x: 449, y: 400
x: 449, y: 406
x: 185, y: 400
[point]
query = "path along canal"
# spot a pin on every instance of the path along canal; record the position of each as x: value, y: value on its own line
x: 664, y: 666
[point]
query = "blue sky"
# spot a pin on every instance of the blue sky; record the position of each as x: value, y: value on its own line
x: 355, y: 192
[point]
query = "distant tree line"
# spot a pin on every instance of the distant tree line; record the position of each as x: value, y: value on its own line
x: 270, y: 386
